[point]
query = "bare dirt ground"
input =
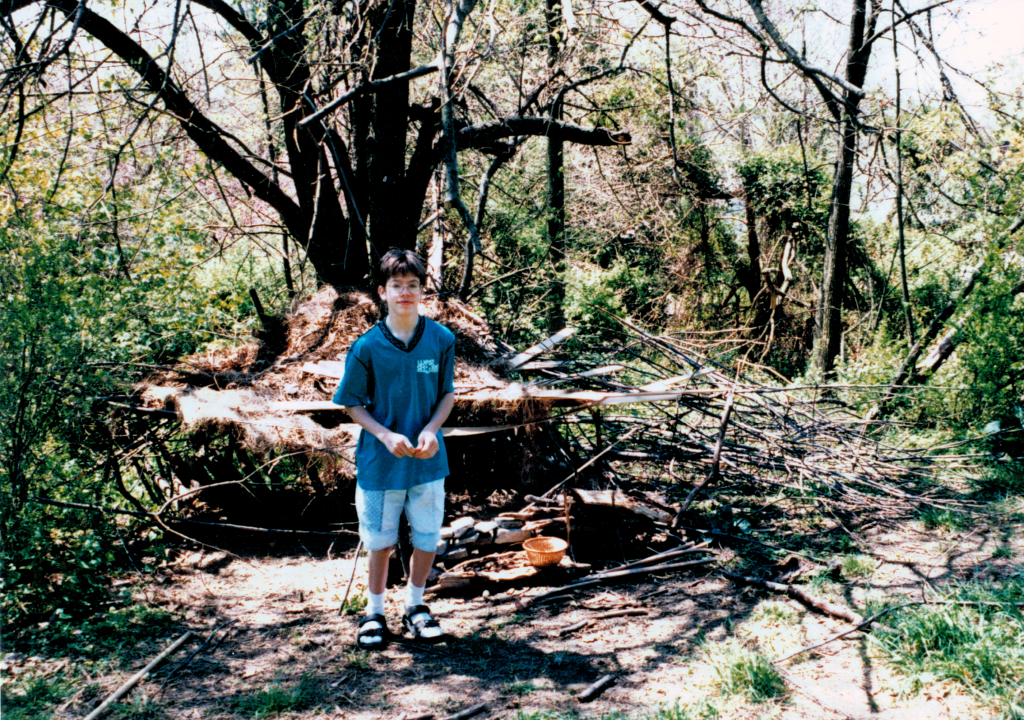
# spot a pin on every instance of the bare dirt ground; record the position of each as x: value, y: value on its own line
x: 274, y: 626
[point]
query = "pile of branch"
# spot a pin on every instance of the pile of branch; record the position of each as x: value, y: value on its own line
x: 721, y: 426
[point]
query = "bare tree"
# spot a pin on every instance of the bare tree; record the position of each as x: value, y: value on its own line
x: 842, y: 96
x: 360, y: 140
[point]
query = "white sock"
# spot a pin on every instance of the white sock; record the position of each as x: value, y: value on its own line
x: 413, y: 595
x: 375, y: 603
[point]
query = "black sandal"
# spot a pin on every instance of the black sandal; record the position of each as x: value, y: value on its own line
x: 417, y: 619
x: 372, y: 638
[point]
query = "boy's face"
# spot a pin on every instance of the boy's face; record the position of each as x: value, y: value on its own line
x: 402, y: 293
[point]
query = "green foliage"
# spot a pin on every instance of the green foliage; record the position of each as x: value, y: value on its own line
x: 121, y: 634
x: 92, y: 281
x: 745, y: 672
x: 978, y: 645
x: 791, y: 200
x: 33, y: 697
x: 857, y: 566
x: 140, y: 707
x: 518, y: 688
x: 934, y: 518
x: 701, y: 709
x: 1003, y: 478
x: 991, y: 351
x: 276, y: 699
x: 354, y: 605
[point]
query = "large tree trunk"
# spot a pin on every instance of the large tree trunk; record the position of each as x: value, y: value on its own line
x: 556, y: 186
x: 347, y: 186
x: 829, y: 320
x: 324, y: 220
x: 389, y: 225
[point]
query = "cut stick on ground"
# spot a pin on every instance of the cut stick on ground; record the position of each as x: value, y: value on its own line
x: 594, y: 691
x: 416, y: 716
x: 195, y: 652
x: 137, y: 677
x: 555, y: 598
x: 659, y: 558
x: 801, y: 596
x: 617, y: 575
x: 467, y: 713
x: 355, y: 564
x: 601, y: 616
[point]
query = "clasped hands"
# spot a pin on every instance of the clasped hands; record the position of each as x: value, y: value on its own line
x: 399, y: 445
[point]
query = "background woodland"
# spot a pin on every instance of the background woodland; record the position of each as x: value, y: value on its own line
x: 796, y: 189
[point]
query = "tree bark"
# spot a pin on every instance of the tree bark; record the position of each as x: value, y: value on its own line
x: 556, y: 185
x: 828, y: 329
x: 388, y: 223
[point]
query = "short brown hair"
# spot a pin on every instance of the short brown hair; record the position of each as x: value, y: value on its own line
x: 401, y: 262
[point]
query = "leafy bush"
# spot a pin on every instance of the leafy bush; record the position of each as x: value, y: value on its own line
x: 94, y: 282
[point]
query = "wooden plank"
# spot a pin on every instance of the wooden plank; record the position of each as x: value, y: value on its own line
x: 603, y: 370
x: 543, y: 346
x: 305, y: 406
x: 627, y: 398
x: 616, y: 498
x: 542, y: 365
x: 667, y: 383
x: 326, y: 368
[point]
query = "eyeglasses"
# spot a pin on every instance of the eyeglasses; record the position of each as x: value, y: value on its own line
x: 412, y: 287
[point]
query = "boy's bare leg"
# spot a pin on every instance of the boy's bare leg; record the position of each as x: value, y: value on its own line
x: 419, y: 567
x: 377, y: 563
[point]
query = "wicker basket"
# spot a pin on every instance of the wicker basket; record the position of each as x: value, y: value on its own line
x: 544, y: 551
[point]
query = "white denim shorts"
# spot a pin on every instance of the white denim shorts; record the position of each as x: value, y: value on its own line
x: 380, y: 510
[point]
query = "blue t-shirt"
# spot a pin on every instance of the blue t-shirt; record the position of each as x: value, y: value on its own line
x: 400, y: 386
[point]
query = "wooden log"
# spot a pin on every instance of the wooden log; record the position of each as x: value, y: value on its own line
x: 544, y: 500
x: 510, y: 536
x: 137, y: 677
x: 594, y: 691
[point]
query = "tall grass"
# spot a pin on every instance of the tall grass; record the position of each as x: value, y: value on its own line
x: 977, y: 641
x: 743, y: 672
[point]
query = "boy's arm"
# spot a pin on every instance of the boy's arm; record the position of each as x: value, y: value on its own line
x: 427, y: 446
x: 397, y: 444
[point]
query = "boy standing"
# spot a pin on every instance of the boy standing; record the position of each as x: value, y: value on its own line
x: 399, y: 387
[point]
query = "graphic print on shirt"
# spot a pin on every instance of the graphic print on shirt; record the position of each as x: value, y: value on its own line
x: 427, y: 366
